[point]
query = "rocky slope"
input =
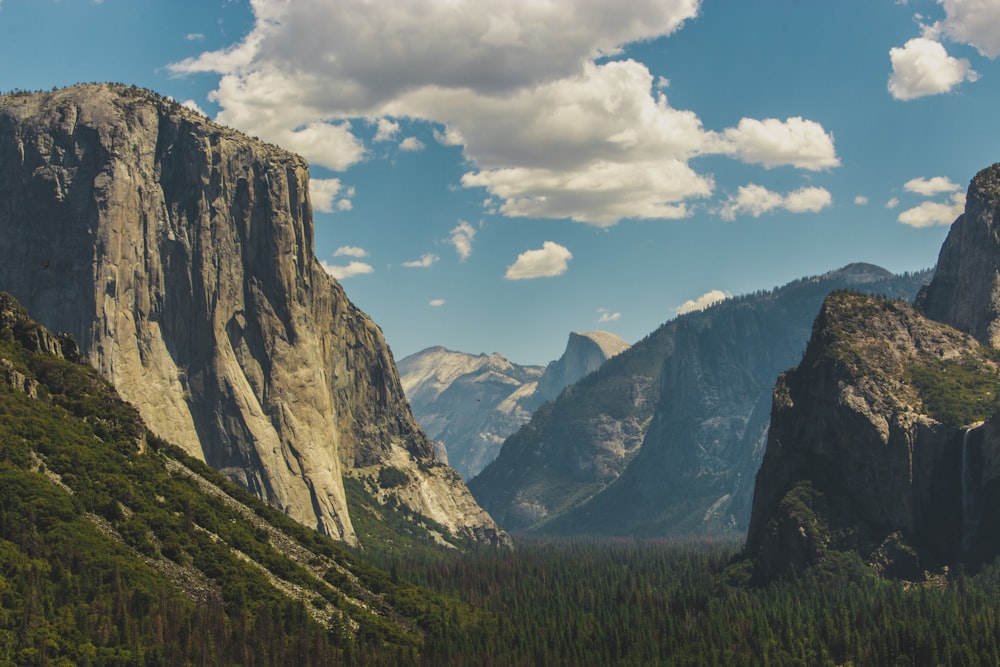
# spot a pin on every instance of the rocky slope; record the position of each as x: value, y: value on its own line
x: 179, y: 254
x: 878, y: 443
x: 472, y: 403
x: 666, y: 438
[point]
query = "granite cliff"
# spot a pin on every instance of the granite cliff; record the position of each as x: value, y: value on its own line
x: 666, y: 437
x: 885, y: 440
x: 179, y: 254
x: 472, y: 403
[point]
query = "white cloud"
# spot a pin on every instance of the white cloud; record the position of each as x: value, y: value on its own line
x: 423, y: 262
x: 607, y: 316
x: 548, y: 261
x: 387, y: 130
x: 931, y: 186
x: 521, y: 85
x: 461, y: 238
x: 973, y: 22
x: 436, y: 303
x: 808, y: 200
x: 352, y: 269
x: 756, y: 200
x: 322, y: 192
x: 350, y: 251
x: 702, y: 302
x: 922, y: 67
x: 194, y: 37
x: 931, y: 213
x: 861, y: 200
x: 892, y: 203
x: 411, y: 144
x: 771, y: 142
x: 345, y: 204
x: 193, y: 106
x: 600, y: 193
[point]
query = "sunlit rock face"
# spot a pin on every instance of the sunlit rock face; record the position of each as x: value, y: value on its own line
x: 180, y: 255
x: 472, y: 403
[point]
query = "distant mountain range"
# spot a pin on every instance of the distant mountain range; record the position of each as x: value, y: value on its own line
x: 666, y: 438
x: 472, y: 403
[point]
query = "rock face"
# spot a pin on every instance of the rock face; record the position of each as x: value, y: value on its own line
x: 585, y: 352
x: 878, y: 443
x: 472, y: 403
x: 469, y: 403
x: 179, y: 254
x: 965, y: 292
x: 666, y: 438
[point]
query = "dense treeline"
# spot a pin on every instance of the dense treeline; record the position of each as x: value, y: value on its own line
x: 656, y: 603
x: 112, y: 556
x: 117, y: 548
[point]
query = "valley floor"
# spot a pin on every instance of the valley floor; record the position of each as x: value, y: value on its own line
x: 670, y: 603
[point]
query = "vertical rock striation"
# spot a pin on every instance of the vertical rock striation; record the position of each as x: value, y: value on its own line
x: 179, y: 254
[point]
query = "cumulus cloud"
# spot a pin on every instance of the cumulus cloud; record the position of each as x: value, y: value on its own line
x: 350, y: 251
x: 808, y: 200
x: 194, y: 37
x: 423, y: 262
x: 352, y: 269
x: 411, y: 144
x: 323, y: 193
x: 923, y: 67
x: 861, y: 200
x: 931, y: 213
x: 771, y: 142
x: 757, y: 200
x: 702, y: 302
x: 526, y: 88
x: 387, y: 130
x: 892, y: 203
x: 548, y: 261
x: 607, y: 316
x: 931, y: 186
x: 436, y: 303
x: 193, y: 106
x: 600, y: 194
x: 973, y: 22
x: 461, y: 237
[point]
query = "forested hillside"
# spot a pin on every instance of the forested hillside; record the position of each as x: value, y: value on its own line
x: 117, y: 548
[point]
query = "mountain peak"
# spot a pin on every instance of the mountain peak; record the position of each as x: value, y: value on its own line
x: 965, y: 290
x: 859, y: 272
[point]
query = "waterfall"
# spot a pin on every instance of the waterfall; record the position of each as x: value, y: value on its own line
x: 969, y: 523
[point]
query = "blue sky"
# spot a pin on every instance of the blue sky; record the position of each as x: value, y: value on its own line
x: 492, y: 176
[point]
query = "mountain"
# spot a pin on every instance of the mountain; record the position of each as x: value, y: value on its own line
x: 885, y: 440
x: 585, y: 353
x: 471, y: 403
x: 118, y: 548
x: 665, y: 438
x: 179, y: 254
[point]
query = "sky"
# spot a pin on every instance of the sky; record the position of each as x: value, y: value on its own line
x: 491, y: 176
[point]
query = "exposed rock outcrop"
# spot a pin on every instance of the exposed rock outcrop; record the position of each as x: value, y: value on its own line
x: 965, y: 292
x: 877, y: 441
x: 472, y: 403
x: 585, y: 352
x: 179, y: 254
x: 469, y: 403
